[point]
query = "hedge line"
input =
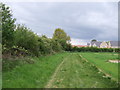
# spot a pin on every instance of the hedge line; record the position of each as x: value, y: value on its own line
x: 94, y: 49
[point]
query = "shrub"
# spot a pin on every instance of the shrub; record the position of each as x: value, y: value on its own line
x: 25, y: 38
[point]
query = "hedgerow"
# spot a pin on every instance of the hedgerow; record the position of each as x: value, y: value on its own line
x: 94, y: 49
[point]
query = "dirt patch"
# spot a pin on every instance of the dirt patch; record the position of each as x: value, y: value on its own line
x: 114, y: 61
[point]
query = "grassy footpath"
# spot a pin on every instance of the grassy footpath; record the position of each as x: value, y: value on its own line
x: 33, y: 75
x: 100, y: 60
x: 76, y: 73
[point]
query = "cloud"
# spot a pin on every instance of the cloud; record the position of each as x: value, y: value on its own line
x: 83, y: 21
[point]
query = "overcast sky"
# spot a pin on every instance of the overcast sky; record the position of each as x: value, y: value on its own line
x: 82, y: 21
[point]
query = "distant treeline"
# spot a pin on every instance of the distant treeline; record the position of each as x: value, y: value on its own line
x: 94, y: 49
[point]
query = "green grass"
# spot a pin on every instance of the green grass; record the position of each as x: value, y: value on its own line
x: 0, y: 79
x: 76, y: 73
x: 33, y: 75
x: 100, y: 60
x: 63, y: 70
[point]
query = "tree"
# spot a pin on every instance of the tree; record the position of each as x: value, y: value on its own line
x: 8, y: 25
x: 61, y: 37
x: 94, y: 40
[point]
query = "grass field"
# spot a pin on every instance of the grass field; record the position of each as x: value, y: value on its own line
x: 100, y: 60
x: 63, y: 70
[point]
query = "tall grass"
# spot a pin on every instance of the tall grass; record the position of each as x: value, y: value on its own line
x: 32, y: 75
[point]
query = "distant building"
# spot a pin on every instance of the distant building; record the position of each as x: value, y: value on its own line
x: 114, y: 44
x: 109, y: 44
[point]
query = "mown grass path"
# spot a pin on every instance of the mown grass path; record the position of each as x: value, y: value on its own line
x: 55, y: 73
x: 75, y: 72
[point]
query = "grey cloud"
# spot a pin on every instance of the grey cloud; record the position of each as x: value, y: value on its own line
x: 81, y: 20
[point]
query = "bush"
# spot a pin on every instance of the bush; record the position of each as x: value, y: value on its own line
x: 56, y: 47
x: 25, y: 38
x: 45, y: 45
x: 14, y: 52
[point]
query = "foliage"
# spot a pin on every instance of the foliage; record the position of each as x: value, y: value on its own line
x: 25, y: 38
x: 8, y: 25
x: 45, y: 45
x: 60, y: 36
x: 14, y: 51
x: 94, y: 49
x: 94, y: 40
x: 56, y: 45
x: 68, y: 47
